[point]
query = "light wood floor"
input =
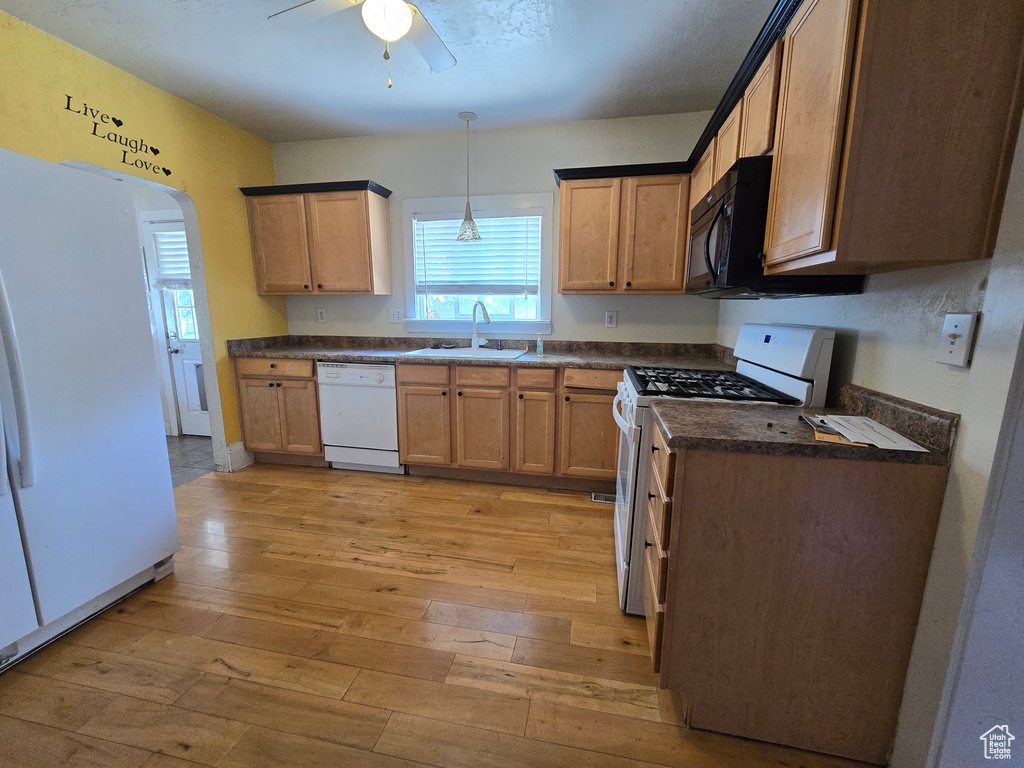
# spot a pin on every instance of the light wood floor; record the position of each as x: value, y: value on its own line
x: 327, y: 618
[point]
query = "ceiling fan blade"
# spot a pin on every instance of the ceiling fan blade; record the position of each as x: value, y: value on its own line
x: 316, y: 9
x: 430, y: 46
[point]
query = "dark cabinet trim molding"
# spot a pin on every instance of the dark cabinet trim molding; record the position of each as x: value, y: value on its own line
x: 773, y: 29
x: 620, y: 171
x: 325, y: 186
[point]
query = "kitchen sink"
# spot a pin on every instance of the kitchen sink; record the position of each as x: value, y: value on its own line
x: 466, y: 353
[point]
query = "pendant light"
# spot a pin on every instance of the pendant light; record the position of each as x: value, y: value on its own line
x: 468, y: 233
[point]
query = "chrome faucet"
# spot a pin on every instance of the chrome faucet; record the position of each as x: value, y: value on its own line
x: 476, y: 343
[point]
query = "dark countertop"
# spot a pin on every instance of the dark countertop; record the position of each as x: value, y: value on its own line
x: 776, y: 430
x: 560, y: 354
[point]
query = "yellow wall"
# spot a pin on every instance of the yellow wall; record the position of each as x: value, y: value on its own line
x: 208, y: 159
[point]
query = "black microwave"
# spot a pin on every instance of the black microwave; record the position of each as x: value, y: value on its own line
x: 727, y: 229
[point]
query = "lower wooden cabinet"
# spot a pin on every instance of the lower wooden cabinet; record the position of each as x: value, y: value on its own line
x: 482, y: 428
x: 279, y: 414
x: 539, y: 421
x: 589, y: 439
x: 534, y: 440
x: 424, y: 419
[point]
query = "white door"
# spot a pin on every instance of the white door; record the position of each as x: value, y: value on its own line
x: 186, y: 362
x: 93, y: 486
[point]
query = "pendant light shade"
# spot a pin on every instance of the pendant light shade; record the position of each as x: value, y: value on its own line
x: 468, y: 233
x: 390, y: 20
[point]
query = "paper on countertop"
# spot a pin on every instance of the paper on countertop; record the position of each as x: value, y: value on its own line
x: 861, y: 429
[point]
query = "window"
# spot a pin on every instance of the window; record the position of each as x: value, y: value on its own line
x: 508, y: 269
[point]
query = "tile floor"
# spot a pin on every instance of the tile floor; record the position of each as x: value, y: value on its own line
x: 191, y: 457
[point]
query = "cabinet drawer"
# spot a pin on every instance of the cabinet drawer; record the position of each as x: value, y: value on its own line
x: 257, y: 366
x: 478, y: 375
x: 658, y: 556
x: 663, y: 461
x: 660, y: 508
x: 592, y: 378
x: 422, y: 374
x: 535, y: 378
x: 654, y: 611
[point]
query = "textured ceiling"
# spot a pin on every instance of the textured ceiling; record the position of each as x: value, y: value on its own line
x: 520, y: 62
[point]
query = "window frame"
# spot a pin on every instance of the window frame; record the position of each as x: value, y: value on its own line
x: 482, y: 206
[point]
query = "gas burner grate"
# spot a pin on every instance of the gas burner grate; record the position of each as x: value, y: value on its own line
x: 696, y: 383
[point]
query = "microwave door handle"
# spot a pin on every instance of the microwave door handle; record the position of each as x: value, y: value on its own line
x: 26, y: 470
x: 712, y: 272
x: 723, y: 244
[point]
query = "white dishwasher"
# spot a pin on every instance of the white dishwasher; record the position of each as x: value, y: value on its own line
x: 359, y: 416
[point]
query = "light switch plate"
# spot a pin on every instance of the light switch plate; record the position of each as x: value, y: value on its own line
x: 397, y: 316
x: 957, y: 339
x: 611, y: 319
x: 321, y: 315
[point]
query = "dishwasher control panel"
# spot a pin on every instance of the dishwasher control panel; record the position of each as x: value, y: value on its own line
x: 356, y: 374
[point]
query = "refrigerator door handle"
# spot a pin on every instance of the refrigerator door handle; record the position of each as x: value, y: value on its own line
x: 26, y: 471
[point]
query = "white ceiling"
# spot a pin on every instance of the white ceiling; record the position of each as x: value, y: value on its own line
x: 520, y: 62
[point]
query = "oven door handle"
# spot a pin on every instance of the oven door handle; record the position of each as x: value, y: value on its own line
x: 631, y: 432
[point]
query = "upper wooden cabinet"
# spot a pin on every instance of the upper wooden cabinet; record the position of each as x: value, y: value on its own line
x: 757, y: 132
x: 704, y: 176
x: 320, y: 238
x: 623, y: 235
x: 895, y: 131
x: 727, y: 144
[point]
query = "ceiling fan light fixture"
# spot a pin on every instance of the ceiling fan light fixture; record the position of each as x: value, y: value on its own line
x: 390, y: 20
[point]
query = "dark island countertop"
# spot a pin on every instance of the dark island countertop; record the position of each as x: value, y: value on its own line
x: 779, y: 430
x: 558, y: 354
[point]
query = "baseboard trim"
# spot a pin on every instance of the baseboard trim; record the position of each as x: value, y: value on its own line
x: 238, y: 457
x: 516, y: 478
x: 290, y: 459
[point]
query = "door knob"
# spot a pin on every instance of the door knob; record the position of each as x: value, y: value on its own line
x: 173, y: 350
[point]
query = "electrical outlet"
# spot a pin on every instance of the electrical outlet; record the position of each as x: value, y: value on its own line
x: 321, y: 315
x: 611, y: 319
x: 957, y: 340
x: 397, y: 316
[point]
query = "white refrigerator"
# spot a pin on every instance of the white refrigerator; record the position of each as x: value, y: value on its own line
x: 86, y: 505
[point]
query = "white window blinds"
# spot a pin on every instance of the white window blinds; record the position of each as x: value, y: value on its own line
x: 171, y: 257
x: 506, y: 260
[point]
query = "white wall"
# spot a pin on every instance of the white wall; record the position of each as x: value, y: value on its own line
x: 888, y: 340
x: 505, y: 161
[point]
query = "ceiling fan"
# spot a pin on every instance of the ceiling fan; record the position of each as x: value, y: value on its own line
x: 390, y: 20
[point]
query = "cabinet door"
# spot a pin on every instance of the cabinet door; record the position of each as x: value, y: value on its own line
x: 757, y: 131
x: 300, y: 416
x: 816, y: 61
x: 703, y: 176
x: 424, y: 432
x: 280, y: 243
x: 261, y: 417
x: 655, y: 238
x: 589, y: 441
x: 339, y: 242
x: 482, y: 428
x: 588, y: 236
x: 534, y: 443
x: 727, y: 146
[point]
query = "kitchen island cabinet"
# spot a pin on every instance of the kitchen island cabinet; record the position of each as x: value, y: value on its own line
x: 795, y: 573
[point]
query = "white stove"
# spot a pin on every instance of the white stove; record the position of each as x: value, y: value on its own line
x: 778, y: 365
